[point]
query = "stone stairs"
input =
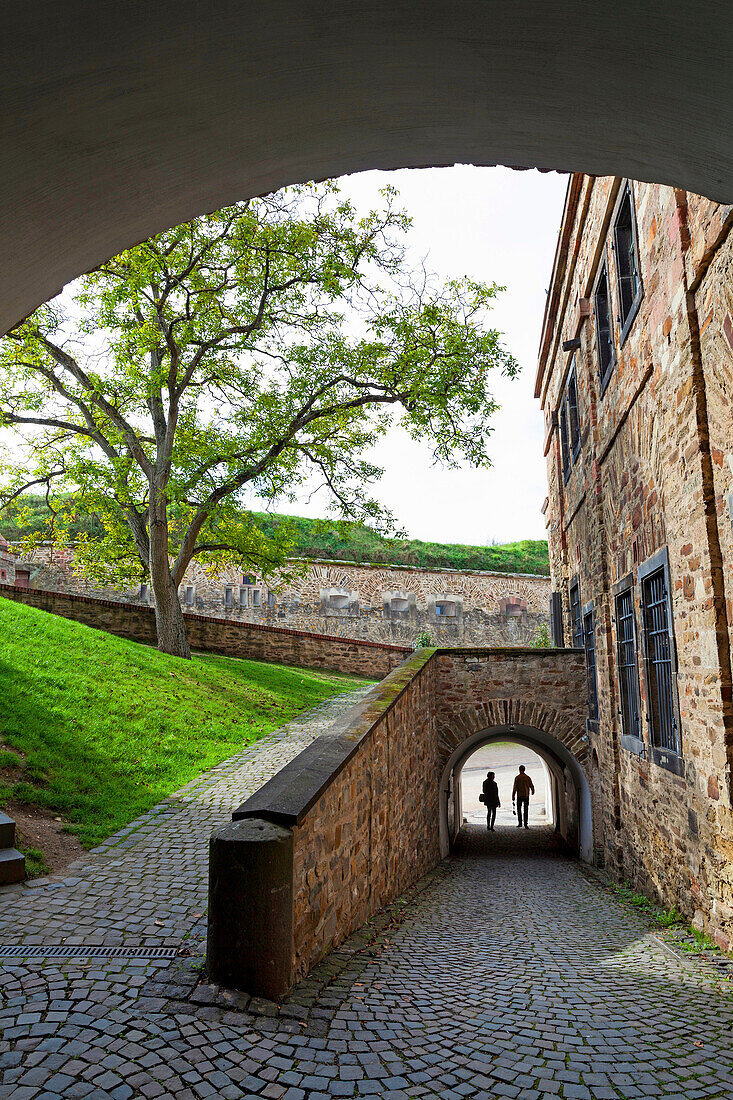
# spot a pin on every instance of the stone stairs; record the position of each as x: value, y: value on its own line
x: 12, y: 862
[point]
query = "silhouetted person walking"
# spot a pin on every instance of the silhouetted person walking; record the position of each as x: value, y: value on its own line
x: 523, y: 787
x: 490, y: 797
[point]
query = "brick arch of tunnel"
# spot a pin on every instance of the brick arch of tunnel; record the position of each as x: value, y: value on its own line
x: 571, y: 791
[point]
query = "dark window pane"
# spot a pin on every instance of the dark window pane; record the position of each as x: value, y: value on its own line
x: 660, y: 674
x: 564, y: 445
x: 628, y: 675
x: 590, y: 664
x: 604, y: 336
x: 627, y: 262
x: 576, y: 621
x: 573, y: 419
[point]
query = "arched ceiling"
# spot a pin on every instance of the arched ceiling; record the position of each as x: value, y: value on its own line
x: 120, y: 119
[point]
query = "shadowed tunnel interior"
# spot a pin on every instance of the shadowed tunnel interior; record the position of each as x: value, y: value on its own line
x: 552, y: 767
x: 120, y: 120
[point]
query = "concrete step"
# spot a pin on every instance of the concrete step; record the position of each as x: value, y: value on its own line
x: 12, y: 866
x: 7, y: 831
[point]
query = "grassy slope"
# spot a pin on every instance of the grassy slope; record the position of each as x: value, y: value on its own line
x: 105, y: 728
x: 349, y: 541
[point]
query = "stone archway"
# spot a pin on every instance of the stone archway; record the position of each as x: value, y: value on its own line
x: 123, y: 119
x: 570, y: 789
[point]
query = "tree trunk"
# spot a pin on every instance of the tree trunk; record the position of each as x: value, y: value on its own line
x: 169, y: 622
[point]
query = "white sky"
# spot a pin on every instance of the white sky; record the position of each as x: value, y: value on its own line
x: 494, y: 225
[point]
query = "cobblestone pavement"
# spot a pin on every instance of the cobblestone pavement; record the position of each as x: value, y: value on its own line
x: 506, y: 973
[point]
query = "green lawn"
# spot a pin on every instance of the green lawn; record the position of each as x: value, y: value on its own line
x: 99, y: 729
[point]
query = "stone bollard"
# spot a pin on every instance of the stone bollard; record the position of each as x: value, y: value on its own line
x: 250, y: 924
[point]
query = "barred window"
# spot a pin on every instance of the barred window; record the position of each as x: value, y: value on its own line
x: 659, y: 662
x: 626, y: 249
x: 571, y: 397
x: 589, y: 638
x: 576, y: 619
x: 604, y: 332
x: 628, y: 674
x: 564, y: 441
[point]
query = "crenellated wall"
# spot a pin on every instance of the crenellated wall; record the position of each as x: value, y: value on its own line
x: 387, y: 603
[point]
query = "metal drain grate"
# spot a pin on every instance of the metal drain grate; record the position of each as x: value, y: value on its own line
x: 63, y: 951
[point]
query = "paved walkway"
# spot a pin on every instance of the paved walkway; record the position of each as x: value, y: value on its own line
x: 506, y: 973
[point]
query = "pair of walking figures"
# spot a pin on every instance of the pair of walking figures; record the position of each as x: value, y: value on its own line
x: 523, y: 787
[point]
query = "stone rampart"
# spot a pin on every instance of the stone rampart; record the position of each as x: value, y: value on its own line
x: 231, y: 639
x: 387, y: 603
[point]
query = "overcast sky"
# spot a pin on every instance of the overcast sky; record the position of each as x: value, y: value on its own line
x: 494, y: 225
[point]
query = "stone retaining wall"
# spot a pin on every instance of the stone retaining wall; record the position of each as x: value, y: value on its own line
x: 387, y: 603
x: 231, y: 639
x: 336, y: 835
x: 356, y: 818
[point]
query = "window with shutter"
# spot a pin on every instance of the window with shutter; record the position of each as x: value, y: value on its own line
x: 626, y: 249
x: 573, y: 418
x: 556, y: 625
x: 589, y: 641
x: 604, y: 332
x: 576, y: 619
x: 564, y: 442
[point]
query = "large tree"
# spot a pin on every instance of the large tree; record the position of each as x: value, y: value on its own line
x: 240, y: 356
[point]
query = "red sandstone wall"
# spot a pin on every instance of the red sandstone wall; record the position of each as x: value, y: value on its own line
x: 232, y: 639
x: 639, y: 485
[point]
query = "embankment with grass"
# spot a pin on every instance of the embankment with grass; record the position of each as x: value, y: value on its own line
x: 97, y: 729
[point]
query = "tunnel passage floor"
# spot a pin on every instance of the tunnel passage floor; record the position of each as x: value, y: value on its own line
x: 506, y: 973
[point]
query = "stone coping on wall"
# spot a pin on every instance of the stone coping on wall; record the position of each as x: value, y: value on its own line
x: 288, y: 796
x: 98, y: 601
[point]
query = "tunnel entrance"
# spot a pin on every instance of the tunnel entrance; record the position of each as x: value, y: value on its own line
x: 504, y: 758
x: 562, y: 792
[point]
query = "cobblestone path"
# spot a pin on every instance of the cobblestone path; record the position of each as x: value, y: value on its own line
x: 506, y: 973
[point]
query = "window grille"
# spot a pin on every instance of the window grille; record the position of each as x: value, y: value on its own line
x: 228, y: 596
x: 564, y: 440
x: 627, y: 262
x: 604, y: 333
x: 576, y: 620
x: 573, y: 418
x: 556, y: 623
x: 626, y: 659
x: 256, y: 597
x: 659, y: 663
x: 589, y: 638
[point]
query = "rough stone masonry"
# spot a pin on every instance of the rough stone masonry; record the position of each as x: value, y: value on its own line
x: 636, y: 383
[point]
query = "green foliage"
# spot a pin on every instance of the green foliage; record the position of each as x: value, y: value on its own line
x: 424, y: 638
x: 542, y: 638
x: 107, y: 728
x: 251, y: 352
x: 30, y: 516
x: 35, y: 862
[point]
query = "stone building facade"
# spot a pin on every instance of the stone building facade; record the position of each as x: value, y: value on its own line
x: 636, y: 382
x: 387, y: 603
